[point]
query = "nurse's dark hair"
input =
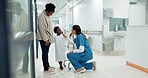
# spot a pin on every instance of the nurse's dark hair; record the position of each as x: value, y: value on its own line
x: 78, y: 30
x: 55, y: 29
x: 50, y: 7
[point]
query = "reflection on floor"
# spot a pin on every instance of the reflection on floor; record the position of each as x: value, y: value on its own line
x: 107, y: 67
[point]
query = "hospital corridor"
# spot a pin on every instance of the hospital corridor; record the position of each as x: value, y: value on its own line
x: 107, y: 67
x: 74, y: 39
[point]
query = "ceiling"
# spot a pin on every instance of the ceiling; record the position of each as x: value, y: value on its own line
x: 58, y: 3
x: 60, y: 6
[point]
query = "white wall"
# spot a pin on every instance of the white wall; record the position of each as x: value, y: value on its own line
x: 69, y: 18
x: 62, y: 21
x: 136, y: 38
x: 120, y: 7
x: 147, y: 14
x: 136, y: 45
x: 120, y: 10
x: 89, y: 15
x: 138, y: 14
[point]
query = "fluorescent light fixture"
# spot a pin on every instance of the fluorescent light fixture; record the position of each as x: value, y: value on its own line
x: 39, y: 10
x: 61, y: 12
x: 40, y: 3
x: 133, y: 1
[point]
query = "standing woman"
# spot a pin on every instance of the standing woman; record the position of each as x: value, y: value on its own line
x: 79, y: 57
x: 45, y: 34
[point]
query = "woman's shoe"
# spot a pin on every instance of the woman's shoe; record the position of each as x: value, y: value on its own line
x: 49, y: 71
x: 51, y: 68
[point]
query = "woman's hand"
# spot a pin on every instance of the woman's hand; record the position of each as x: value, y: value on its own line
x: 46, y: 43
x: 70, y: 52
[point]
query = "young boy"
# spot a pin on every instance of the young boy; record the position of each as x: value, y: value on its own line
x: 60, y: 40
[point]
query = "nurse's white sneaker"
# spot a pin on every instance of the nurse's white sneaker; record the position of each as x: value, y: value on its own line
x: 80, y: 70
x: 94, y: 65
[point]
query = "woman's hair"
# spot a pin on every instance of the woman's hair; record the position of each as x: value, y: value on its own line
x: 50, y: 7
x: 78, y: 30
x: 55, y: 29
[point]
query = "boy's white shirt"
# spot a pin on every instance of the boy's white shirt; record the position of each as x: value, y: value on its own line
x: 60, y: 48
x: 81, y: 48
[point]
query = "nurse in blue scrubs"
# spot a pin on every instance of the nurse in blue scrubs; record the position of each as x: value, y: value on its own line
x: 79, y: 56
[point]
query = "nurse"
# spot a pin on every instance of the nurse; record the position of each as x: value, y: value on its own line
x: 79, y: 56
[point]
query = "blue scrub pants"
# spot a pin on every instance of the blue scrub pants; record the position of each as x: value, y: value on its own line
x: 79, y: 61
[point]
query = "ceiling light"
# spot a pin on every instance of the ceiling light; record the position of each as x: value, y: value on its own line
x: 40, y: 3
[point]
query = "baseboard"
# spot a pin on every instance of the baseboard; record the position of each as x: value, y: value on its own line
x: 137, y: 66
x: 112, y: 53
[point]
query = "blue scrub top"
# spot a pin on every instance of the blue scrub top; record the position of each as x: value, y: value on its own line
x: 80, y: 40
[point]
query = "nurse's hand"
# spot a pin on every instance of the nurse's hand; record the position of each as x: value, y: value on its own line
x: 64, y: 35
x: 70, y: 34
x: 70, y: 52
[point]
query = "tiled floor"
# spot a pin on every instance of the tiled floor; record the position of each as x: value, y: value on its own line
x: 107, y: 67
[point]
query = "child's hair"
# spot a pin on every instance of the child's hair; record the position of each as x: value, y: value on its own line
x: 78, y: 30
x: 55, y: 29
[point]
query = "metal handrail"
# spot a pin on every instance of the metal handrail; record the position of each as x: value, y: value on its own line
x: 92, y: 32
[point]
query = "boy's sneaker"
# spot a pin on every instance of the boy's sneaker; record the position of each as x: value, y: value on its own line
x: 61, y: 67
